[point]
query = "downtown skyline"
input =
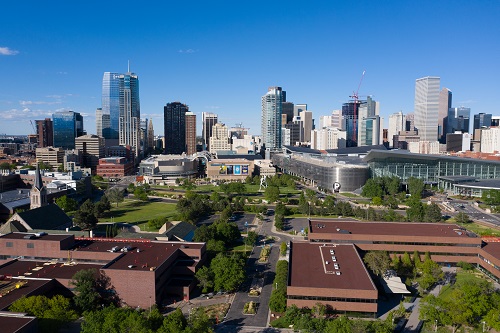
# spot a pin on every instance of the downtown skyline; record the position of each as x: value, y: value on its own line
x: 220, y: 59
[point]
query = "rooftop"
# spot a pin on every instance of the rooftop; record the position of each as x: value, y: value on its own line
x: 388, y: 228
x: 313, y: 265
x: 43, y: 269
x: 12, y: 323
x: 46, y: 237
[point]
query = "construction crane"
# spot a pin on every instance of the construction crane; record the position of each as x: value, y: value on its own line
x: 33, y: 126
x: 355, y: 98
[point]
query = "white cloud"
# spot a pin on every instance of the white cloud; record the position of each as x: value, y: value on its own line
x: 187, y: 51
x: 54, y: 96
x: 24, y: 103
x: 7, y: 51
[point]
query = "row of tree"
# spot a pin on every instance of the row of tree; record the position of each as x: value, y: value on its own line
x: 225, y: 272
x: 277, y: 302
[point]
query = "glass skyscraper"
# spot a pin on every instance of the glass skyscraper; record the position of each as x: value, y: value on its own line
x: 111, y: 103
x: 130, y: 112
x: 271, y: 118
x: 175, y: 127
x: 67, y: 126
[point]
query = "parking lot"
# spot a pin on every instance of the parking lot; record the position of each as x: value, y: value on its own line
x: 239, y: 218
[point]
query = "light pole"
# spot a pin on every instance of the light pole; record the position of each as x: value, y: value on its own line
x: 436, y: 328
x: 483, y: 326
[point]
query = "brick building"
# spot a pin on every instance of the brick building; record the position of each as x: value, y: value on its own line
x: 115, y: 167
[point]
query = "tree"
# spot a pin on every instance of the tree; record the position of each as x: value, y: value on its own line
x: 67, y: 204
x: 415, y: 211
x: 415, y: 187
x: 378, y: 261
x: 431, y: 273
x: 174, y: 322
x: 251, y: 238
x: 372, y: 189
x: 140, y: 193
x: 205, y: 278
x: 279, y: 222
x: 228, y: 272
x: 227, y: 232
x: 272, y: 193
x: 85, y: 216
x: 52, y: 312
x: 461, y: 217
x: 204, y: 233
x: 92, y: 289
x: 377, y: 201
x: 157, y: 222
x: 432, y: 213
x: 115, y: 195
x: 280, y: 209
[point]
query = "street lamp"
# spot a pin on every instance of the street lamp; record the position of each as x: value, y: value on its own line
x: 436, y: 328
x: 483, y: 326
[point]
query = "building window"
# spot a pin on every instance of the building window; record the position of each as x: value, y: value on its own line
x: 31, y: 246
x: 10, y: 244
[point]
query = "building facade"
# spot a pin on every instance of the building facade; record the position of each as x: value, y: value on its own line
x: 130, y: 112
x: 271, y: 118
x: 208, y: 121
x: 92, y: 149
x: 458, y: 120
x: 110, y: 103
x: 397, y: 122
x: 190, y: 133
x: 445, y: 99
x: 220, y: 141
x: 175, y: 127
x: 427, y: 107
x: 67, y: 126
x: 45, y: 132
x: 50, y: 155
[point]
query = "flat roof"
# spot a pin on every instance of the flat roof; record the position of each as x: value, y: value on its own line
x: 482, y: 184
x: 492, y: 248
x: 388, y: 228
x: 10, y: 297
x: 151, y: 254
x: 309, y: 268
x: 47, y: 237
x: 11, y: 324
x: 44, y: 269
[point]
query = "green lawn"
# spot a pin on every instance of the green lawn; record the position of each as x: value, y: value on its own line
x: 477, y: 228
x: 461, y: 276
x: 349, y: 194
x: 138, y: 212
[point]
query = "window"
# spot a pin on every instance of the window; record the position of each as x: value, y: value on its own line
x: 10, y: 244
x: 31, y: 246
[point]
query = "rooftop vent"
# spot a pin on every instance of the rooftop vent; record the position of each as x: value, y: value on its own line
x: 326, y: 262
x: 131, y: 266
x: 337, y: 272
x: 31, y: 236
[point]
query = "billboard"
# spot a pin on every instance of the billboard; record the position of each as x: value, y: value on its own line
x: 244, y: 169
x: 237, y: 169
x: 230, y: 169
x: 222, y: 170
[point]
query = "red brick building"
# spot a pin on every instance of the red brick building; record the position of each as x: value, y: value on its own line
x: 142, y: 272
x: 115, y: 167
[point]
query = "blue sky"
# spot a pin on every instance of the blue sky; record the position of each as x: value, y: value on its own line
x: 220, y: 56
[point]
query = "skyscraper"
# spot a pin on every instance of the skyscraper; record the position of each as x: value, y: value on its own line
x: 458, y: 120
x: 480, y: 120
x: 144, y: 136
x: 190, y: 133
x: 67, y: 126
x: 445, y: 97
x: 350, y: 116
x: 110, y: 102
x: 427, y: 107
x: 102, y: 123
x: 151, y: 135
x: 45, y: 132
x: 175, y: 127
x: 130, y: 112
x: 397, y: 123
x: 208, y: 121
x: 307, y: 122
x: 271, y: 118
x: 287, y: 110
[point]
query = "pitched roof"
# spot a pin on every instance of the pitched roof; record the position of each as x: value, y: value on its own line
x: 38, y: 179
x: 46, y: 217
x: 182, y: 231
x: 12, y: 226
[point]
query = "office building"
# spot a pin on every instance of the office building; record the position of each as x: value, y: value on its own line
x: 102, y: 124
x: 410, y: 122
x: 151, y: 135
x: 458, y: 142
x: 287, y: 109
x: 67, y: 126
x: 481, y: 120
x: 110, y: 103
x: 350, y: 116
x: 495, y: 121
x: 45, y: 132
x: 427, y: 107
x: 92, y: 149
x: 458, y: 120
x: 370, y: 132
x: 397, y: 123
x: 130, y: 112
x: 490, y: 140
x: 144, y: 136
x: 208, y: 121
x: 295, y: 131
x: 50, y: 155
x: 298, y: 108
x: 271, y: 118
x: 445, y: 99
x: 175, y: 127
x: 307, y: 123
x: 328, y: 138
x: 220, y: 141
x: 190, y: 133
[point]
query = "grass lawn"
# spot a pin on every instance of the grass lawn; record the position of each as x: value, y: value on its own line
x: 349, y: 194
x: 461, y: 276
x: 139, y: 212
x: 476, y: 228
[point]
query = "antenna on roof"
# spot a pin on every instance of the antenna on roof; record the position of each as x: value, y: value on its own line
x: 128, y: 66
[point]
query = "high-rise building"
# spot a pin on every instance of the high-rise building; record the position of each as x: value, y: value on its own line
x: 337, y: 120
x: 102, y: 123
x: 110, y: 102
x: 175, y: 127
x: 92, y: 149
x: 445, y: 99
x: 295, y: 131
x: 397, y: 123
x: 350, y: 116
x: 67, y: 126
x: 307, y: 122
x: 427, y: 107
x: 220, y: 141
x: 370, y: 132
x: 298, y: 108
x: 190, y: 133
x: 329, y: 138
x: 144, y: 136
x: 151, y: 135
x: 410, y: 122
x: 458, y: 120
x: 45, y: 132
x: 325, y: 122
x: 480, y: 120
x: 287, y: 110
x: 208, y: 121
x: 130, y: 112
x: 271, y: 118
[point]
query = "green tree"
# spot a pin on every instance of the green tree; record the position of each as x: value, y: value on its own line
x: 378, y: 261
x: 92, y: 288
x: 461, y: 217
x: 251, y: 238
x: 415, y: 187
x: 85, y: 216
x: 157, y: 222
x: 377, y: 201
x: 174, y: 322
x: 281, y: 209
x: 67, y: 204
x: 228, y: 272
x: 372, y: 189
x: 415, y: 211
x: 272, y: 193
x: 283, y: 248
x: 115, y: 195
x: 279, y: 222
x: 227, y: 232
x: 432, y: 213
x: 339, y: 325
x: 204, y: 233
x: 430, y: 274
x: 205, y: 279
